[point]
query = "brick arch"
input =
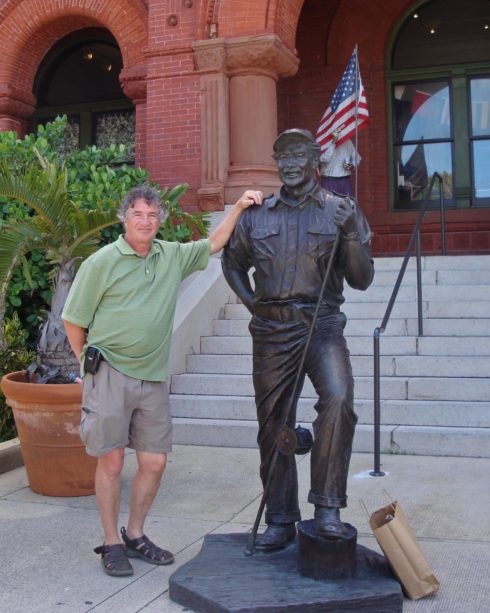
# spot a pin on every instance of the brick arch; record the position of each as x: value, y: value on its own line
x: 255, y: 17
x: 37, y: 29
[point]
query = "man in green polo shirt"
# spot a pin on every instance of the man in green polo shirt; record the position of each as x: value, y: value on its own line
x: 119, y: 317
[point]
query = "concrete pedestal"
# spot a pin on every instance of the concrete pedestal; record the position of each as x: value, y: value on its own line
x: 221, y: 578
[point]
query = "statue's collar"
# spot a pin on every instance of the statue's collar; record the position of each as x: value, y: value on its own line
x: 315, y: 194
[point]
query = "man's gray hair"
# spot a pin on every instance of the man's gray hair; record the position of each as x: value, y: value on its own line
x: 143, y: 192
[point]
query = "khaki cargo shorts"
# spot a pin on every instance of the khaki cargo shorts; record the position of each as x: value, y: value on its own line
x: 119, y: 411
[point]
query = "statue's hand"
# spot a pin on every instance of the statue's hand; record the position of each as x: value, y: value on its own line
x: 345, y: 218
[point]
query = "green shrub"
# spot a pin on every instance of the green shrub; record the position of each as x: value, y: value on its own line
x: 15, y: 356
x: 96, y: 179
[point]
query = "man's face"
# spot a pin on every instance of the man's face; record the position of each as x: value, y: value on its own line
x: 295, y: 164
x: 142, y: 222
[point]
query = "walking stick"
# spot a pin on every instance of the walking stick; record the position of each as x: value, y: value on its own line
x: 286, y: 439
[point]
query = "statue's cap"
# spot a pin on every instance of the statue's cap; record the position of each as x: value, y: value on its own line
x: 294, y: 134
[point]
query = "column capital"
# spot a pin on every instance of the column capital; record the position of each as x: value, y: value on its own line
x: 15, y: 102
x: 133, y: 83
x: 266, y: 55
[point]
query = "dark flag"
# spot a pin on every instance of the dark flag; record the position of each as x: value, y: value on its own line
x: 415, y: 171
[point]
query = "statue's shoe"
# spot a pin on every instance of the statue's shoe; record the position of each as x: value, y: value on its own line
x: 276, y: 536
x: 328, y: 524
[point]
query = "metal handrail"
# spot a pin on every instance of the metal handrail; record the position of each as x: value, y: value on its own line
x: 415, y: 238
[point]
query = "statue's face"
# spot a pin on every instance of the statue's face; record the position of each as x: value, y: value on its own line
x: 295, y: 164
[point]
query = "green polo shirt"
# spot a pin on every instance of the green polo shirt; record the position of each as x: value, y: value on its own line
x: 127, y: 302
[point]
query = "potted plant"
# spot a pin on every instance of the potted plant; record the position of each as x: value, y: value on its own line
x: 44, y: 398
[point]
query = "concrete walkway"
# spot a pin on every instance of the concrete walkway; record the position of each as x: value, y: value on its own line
x: 47, y: 564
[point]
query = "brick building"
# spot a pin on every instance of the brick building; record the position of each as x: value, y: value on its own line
x: 208, y: 84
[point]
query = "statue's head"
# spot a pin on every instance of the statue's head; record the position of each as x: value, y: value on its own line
x: 297, y: 155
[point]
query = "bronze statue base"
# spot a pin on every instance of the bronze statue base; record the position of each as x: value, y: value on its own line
x: 222, y: 579
x: 323, y: 559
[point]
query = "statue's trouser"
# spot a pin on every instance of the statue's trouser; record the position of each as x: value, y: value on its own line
x: 277, y: 350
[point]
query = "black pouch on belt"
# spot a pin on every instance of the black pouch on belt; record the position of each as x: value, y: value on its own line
x: 93, y: 358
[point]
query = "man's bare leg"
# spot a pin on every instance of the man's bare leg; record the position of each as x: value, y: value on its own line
x: 144, y: 489
x: 108, y: 493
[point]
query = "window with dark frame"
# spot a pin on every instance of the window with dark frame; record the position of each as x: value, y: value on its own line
x: 440, y: 93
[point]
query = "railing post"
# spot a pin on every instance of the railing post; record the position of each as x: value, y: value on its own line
x: 443, y: 221
x: 377, y: 472
x: 419, y: 285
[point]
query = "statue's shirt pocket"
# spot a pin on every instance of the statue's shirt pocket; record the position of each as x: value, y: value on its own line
x: 266, y: 242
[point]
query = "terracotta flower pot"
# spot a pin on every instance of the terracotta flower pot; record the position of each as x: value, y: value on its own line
x: 47, y: 417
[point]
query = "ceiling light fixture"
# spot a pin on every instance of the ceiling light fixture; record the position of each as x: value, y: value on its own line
x: 88, y: 55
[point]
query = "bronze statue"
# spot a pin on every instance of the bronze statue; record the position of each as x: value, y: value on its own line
x: 288, y: 241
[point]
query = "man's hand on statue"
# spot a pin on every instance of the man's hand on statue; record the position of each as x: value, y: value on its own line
x: 345, y: 218
x: 249, y: 198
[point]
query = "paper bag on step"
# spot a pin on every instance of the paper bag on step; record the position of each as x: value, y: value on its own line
x: 400, y: 547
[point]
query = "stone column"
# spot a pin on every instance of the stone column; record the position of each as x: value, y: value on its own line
x: 133, y: 83
x: 239, y: 114
x: 16, y: 106
x: 254, y: 63
x: 210, y: 60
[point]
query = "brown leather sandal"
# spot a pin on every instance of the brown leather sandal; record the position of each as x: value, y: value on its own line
x: 114, y: 560
x: 145, y: 549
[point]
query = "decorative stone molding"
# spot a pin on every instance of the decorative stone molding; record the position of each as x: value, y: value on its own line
x: 260, y: 55
x: 15, y: 102
x: 210, y: 55
x: 133, y: 83
x: 265, y: 55
x: 211, y: 198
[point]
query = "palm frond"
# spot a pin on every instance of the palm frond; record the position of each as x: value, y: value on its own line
x: 87, y: 224
x: 42, y: 190
x: 17, y: 240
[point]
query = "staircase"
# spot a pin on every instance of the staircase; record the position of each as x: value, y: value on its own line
x: 435, y: 389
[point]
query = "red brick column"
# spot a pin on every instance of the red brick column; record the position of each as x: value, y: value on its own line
x: 133, y: 83
x: 16, y: 106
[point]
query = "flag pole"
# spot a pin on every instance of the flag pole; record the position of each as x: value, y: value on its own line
x: 355, y: 120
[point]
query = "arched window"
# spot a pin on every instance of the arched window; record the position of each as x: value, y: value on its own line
x: 439, y: 78
x: 79, y: 77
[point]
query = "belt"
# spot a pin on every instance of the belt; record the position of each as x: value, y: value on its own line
x: 290, y: 313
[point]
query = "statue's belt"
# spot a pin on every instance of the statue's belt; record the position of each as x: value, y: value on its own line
x: 299, y: 312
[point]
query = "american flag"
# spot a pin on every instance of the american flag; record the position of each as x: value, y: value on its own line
x: 341, y: 114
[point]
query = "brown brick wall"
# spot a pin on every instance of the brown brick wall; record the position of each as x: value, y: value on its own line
x: 168, y: 137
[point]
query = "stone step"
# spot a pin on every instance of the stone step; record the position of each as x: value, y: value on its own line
x: 445, y: 293
x: 446, y: 262
x: 398, y: 412
x: 401, y: 366
x: 376, y: 310
x: 435, y: 389
x: 363, y: 345
x: 432, y: 277
x: 392, y: 388
x: 458, y: 442
x: 365, y: 327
